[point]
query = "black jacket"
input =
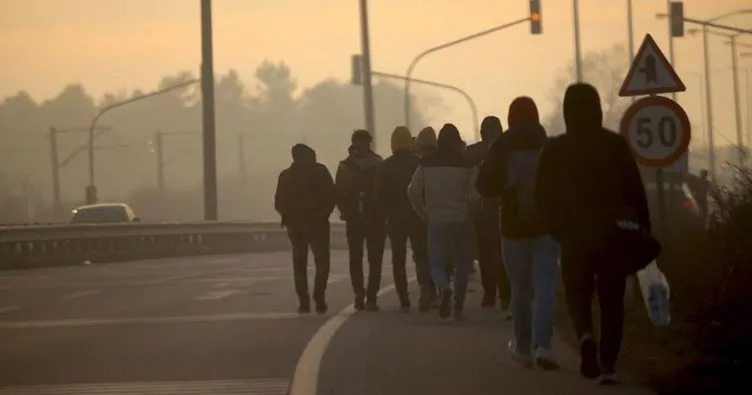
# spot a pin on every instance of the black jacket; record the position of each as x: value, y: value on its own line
x: 394, y: 177
x: 588, y: 176
x: 492, y: 177
x: 305, y: 194
x: 352, y: 173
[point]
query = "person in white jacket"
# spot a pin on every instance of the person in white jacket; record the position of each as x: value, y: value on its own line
x: 441, y: 191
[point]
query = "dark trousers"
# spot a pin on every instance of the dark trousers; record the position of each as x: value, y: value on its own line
x: 586, y: 272
x: 399, y: 233
x: 315, y: 236
x: 373, y: 234
x: 493, y: 274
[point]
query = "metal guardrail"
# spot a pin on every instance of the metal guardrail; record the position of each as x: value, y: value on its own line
x: 44, y: 245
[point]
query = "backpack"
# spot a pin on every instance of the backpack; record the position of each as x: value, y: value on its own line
x: 521, y: 170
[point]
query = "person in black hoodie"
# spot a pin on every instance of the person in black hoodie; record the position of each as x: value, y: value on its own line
x: 529, y: 253
x: 359, y: 207
x: 588, y: 178
x: 402, y: 221
x: 492, y: 272
x: 305, y: 199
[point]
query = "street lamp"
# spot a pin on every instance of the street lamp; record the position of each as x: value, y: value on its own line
x: 91, y: 189
x: 411, y: 67
x: 708, y: 90
x: 468, y: 98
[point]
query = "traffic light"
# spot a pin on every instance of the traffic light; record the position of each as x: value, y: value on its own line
x: 535, y: 17
x: 676, y: 19
x: 356, y: 70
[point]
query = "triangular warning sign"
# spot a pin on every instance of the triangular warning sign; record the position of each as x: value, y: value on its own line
x: 650, y: 72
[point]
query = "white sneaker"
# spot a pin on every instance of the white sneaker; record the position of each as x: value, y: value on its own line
x: 545, y: 359
x: 524, y: 360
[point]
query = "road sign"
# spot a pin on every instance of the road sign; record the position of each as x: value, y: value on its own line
x: 650, y: 72
x: 657, y: 130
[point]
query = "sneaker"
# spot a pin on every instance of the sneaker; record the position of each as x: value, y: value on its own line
x: 488, y: 302
x: 524, y: 360
x: 372, y: 306
x: 589, y: 367
x: 545, y: 359
x: 359, y: 304
x: 304, y: 308
x: 458, y: 315
x: 424, y: 301
x: 445, y: 307
x: 608, y: 378
x: 321, y: 307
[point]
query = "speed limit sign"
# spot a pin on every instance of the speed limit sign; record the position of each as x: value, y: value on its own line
x: 657, y: 130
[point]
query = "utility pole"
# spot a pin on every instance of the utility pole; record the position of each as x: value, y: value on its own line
x: 57, y: 201
x: 579, y: 73
x: 709, y: 105
x: 737, y: 104
x: 241, y: 163
x: 367, y: 81
x: 159, y: 143
x: 207, y: 103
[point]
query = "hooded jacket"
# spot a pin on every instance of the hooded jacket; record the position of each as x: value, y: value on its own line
x: 443, y: 186
x: 587, y: 176
x: 425, y: 143
x: 490, y: 130
x: 525, y: 133
x: 361, y: 166
x: 394, y: 178
x: 305, y: 191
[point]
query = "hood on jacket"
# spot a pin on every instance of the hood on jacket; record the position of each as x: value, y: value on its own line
x: 426, y: 137
x: 582, y: 109
x: 303, y: 154
x: 522, y: 110
x: 490, y: 129
x: 401, y: 139
x: 449, y: 140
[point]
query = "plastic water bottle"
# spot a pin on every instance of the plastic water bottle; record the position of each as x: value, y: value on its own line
x: 361, y: 202
x: 658, y: 304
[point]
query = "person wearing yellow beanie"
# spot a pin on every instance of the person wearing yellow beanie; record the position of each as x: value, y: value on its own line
x: 401, y: 139
x: 402, y: 221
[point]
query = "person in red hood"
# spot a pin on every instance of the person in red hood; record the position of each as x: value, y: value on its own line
x: 529, y: 253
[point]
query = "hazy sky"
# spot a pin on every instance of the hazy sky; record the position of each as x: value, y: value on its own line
x: 113, y: 44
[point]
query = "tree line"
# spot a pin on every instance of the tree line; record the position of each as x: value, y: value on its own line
x: 256, y: 121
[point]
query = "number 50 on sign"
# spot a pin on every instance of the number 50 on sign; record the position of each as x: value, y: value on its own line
x: 657, y: 130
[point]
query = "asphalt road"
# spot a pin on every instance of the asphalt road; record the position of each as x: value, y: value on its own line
x: 227, y: 325
x: 214, y: 325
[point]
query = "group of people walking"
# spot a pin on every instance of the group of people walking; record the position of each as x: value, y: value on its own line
x: 527, y: 203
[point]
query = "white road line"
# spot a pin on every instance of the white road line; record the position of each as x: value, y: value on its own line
x: 152, y: 320
x: 305, y: 380
x: 217, y: 295
x: 9, y: 309
x: 81, y: 294
x: 176, y: 277
x: 212, y: 387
